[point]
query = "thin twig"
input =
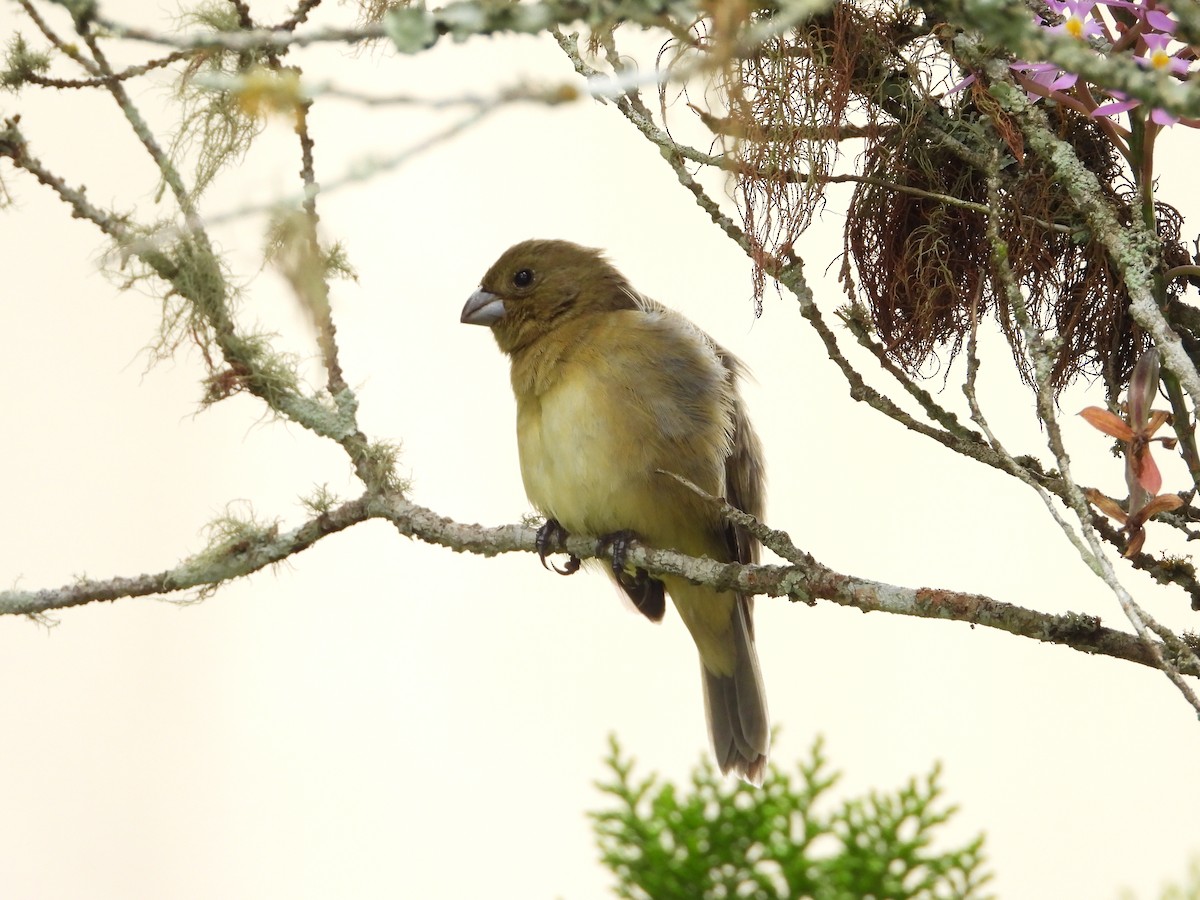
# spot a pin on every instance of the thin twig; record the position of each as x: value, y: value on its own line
x: 1041, y: 365
x: 104, y: 80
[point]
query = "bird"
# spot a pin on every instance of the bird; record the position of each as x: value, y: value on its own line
x: 615, y: 393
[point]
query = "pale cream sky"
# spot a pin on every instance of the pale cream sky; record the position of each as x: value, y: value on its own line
x: 381, y: 718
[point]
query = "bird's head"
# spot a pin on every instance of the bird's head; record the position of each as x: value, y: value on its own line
x: 536, y: 286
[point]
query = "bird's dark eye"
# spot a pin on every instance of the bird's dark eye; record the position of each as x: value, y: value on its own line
x: 523, y: 277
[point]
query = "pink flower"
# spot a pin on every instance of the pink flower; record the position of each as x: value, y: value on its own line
x: 1078, y: 21
x: 1153, y: 56
x: 1156, y: 56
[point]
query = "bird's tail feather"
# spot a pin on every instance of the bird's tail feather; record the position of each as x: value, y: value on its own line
x: 736, y: 706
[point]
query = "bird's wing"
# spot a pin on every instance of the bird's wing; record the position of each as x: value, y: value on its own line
x: 744, y: 469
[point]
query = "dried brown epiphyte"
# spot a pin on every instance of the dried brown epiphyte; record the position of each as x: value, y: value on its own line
x: 920, y: 259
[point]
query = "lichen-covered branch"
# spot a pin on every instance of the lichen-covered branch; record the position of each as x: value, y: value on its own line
x: 243, y: 551
x: 239, y: 551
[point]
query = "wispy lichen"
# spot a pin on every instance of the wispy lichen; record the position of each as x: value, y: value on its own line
x: 21, y: 61
x: 215, y: 126
x: 320, y: 501
x: 378, y: 464
x: 230, y: 537
x: 288, y: 246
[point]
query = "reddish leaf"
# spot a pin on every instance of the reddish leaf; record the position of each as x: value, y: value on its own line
x: 1135, y: 543
x: 1162, y: 503
x: 1105, y: 421
x: 1147, y: 472
x: 1106, y: 505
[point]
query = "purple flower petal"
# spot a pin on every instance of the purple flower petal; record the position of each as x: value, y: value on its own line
x: 1162, y: 117
x: 962, y: 85
x: 1117, y: 106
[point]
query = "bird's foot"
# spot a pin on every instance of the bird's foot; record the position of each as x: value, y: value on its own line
x: 645, y: 592
x: 550, y: 539
x: 618, y: 542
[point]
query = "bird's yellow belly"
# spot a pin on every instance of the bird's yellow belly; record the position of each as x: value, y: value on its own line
x: 575, y: 467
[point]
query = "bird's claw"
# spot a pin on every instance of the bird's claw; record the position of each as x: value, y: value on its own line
x: 618, y: 542
x: 571, y: 566
x: 645, y: 592
x: 550, y: 539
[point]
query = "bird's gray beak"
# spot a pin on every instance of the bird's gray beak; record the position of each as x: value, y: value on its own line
x: 482, y: 309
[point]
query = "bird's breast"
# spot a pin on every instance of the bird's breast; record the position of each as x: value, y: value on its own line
x: 620, y: 402
x: 575, y: 463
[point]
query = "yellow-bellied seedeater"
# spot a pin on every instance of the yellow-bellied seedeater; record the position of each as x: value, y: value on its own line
x: 612, y: 391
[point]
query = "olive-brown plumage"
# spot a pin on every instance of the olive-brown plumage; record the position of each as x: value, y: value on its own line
x: 612, y: 390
